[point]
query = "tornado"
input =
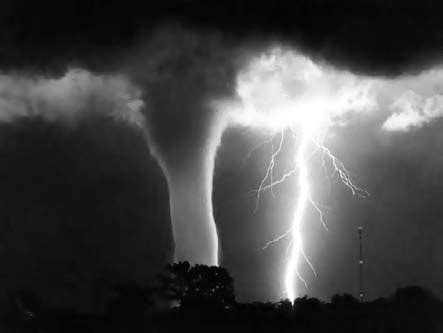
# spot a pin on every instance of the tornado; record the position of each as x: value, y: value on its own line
x: 190, y: 195
x: 181, y: 74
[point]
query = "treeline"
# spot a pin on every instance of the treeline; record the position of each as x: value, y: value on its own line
x: 201, y: 299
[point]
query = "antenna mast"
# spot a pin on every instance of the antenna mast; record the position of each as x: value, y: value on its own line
x: 360, y: 264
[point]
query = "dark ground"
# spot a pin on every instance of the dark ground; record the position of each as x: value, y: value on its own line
x: 205, y: 302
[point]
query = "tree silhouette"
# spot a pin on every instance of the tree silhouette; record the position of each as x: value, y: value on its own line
x: 198, y: 285
x: 344, y: 300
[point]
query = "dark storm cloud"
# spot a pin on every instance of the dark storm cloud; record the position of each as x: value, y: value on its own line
x: 370, y: 36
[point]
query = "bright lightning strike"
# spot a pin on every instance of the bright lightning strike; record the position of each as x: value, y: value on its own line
x: 284, y: 90
x: 296, y: 249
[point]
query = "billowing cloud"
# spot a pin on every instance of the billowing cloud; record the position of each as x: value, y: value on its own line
x: 412, y: 110
x: 282, y: 87
x: 414, y: 101
x: 69, y: 97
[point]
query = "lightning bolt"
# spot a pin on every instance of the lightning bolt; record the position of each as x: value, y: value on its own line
x: 296, y: 247
x: 269, y: 171
x: 303, y: 154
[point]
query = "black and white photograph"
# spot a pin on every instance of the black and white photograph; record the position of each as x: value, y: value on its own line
x: 221, y: 166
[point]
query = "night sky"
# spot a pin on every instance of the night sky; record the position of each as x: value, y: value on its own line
x: 85, y: 203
